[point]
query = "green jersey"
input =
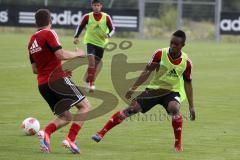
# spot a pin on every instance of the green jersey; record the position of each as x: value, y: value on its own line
x: 96, y: 31
x: 170, y: 76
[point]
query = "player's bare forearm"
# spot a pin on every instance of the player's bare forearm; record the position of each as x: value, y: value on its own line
x: 70, y: 55
x: 142, y: 78
x: 66, y: 55
x: 111, y: 33
x: 34, y: 68
x: 189, y: 92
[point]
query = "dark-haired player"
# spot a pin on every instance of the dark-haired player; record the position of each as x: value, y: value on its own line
x: 99, y: 28
x: 46, y: 54
x: 171, y: 81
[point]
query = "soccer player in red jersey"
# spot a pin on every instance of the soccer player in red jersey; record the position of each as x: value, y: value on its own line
x: 46, y: 54
x: 172, y: 79
x: 99, y: 28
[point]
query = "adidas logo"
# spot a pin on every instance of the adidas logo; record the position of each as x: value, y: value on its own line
x: 172, y: 73
x: 35, y: 47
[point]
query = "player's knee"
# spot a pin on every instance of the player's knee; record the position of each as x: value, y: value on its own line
x: 130, y: 111
x: 91, y: 65
x: 173, y: 108
x: 85, y: 108
x: 91, y: 61
x: 97, y: 59
x: 84, y: 105
x: 65, y: 116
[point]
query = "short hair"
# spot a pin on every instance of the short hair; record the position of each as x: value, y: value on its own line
x: 96, y: 1
x: 180, y: 34
x: 42, y: 17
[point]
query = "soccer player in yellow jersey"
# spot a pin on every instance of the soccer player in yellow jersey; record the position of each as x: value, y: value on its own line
x: 170, y: 85
x: 99, y: 28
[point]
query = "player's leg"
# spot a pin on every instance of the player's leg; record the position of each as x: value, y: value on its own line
x: 98, y: 66
x: 45, y: 135
x: 142, y: 103
x: 177, y: 121
x: 61, y: 120
x: 61, y: 95
x: 116, y: 119
x: 57, y: 123
x: 69, y: 95
x: 173, y: 108
x: 81, y: 115
x: 91, y: 71
x: 82, y: 112
x: 98, y: 59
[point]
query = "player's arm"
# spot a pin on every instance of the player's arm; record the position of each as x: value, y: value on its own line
x: 66, y: 55
x: 80, y: 28
x: 34, y: 68
x: 33, y: 64
x: 189, y: 89
x: 151, y: 66
x: 189, y: 93
x: 141, y: 79
x: 55, y: 46
x: 110, y: 27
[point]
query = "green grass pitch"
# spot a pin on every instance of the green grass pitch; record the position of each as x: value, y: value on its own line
x: 213, y: 136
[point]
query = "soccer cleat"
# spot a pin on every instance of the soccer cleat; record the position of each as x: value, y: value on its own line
x: 44, y: 141
x: 72, y: 146
x: 90, y: 87
x: 97, y: 137
x: 178, y: 148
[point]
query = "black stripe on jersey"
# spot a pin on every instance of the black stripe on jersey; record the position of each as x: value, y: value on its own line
x: 31, y: 59
x: 53, y: 50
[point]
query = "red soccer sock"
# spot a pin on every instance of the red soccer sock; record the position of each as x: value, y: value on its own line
x: 50, y: 128
x: 73, y: 132
x: 177, y: 122
x: 91, y: 75
x: 116, y: 119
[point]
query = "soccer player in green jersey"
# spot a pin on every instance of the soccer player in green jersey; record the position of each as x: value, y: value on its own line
x: 99, y: 28
x: 172, y: 82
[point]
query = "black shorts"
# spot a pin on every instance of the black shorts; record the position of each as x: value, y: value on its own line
x: 95, y: 50
x: 61, y: 94
x: 149, y: 98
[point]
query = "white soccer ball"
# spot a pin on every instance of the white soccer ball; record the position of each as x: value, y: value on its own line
x: 30, y: 126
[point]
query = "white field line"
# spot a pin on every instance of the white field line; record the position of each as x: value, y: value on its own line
x: 10, y: 66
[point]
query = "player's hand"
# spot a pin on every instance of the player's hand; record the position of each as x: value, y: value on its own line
x: 76, y: 40
x: 192, y: 113
x: 80, y: 52
x: 107, y: 36
x: 69, y: 74
x: 129, y: 94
